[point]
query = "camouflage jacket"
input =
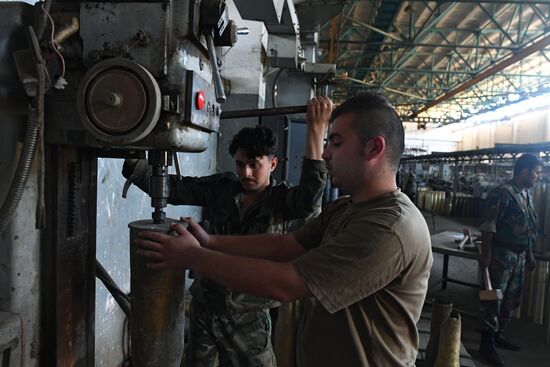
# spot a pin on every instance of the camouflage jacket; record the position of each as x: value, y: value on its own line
x: 277, y: 211
x: 510, y: 215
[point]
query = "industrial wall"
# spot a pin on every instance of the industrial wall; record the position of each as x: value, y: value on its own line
x: 532, y: 127
x: 523, y: 128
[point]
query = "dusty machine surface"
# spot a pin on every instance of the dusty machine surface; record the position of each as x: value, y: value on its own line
x: 139, y: 74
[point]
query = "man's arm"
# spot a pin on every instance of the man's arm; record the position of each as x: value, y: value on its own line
x: 489, y: 225
x: 302, y: 200
x: 270, y: 279
x: 318, y: 114
x: 530, y: 261
x: 275, y: 247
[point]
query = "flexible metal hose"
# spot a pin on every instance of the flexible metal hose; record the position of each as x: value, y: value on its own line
x: 22, y: 173
x: 35, y: 119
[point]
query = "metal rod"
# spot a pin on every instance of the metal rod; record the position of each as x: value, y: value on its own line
x: 385, y: 88
x: 218, y: 85
x: 263, y: 112
x: 368, y: 26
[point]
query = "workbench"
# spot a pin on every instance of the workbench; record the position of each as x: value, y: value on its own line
x: 444, y: 243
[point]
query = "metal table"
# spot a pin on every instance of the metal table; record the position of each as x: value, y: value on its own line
x: 444, y: 243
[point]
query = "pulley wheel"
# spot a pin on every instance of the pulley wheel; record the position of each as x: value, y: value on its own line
x: 119, y: 101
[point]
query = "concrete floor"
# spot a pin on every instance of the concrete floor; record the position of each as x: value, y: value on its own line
x: 531, y: 336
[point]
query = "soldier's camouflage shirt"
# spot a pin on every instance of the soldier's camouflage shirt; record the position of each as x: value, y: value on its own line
x: 511, y: 216
x: 275, y: 212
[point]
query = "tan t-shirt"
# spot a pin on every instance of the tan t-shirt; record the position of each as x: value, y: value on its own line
x: 367, y: 265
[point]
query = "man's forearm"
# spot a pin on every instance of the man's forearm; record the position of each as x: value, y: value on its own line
x: 274, y: 247
x: 314, y: 143
x: 275, y: 280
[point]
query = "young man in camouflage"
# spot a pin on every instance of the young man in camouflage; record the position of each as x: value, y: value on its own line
x: 508, y: 234
x: 230, y: 328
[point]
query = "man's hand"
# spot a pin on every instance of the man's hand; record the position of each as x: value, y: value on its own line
x: 167, y: 251
x: 197, y: 231
x: 530, y: 261
x: 318, y: 113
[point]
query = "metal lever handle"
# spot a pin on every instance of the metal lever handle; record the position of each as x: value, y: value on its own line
x: 218, y: 86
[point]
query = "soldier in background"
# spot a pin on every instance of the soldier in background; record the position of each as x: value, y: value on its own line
x: 508, y: 234
x: 410, y: 185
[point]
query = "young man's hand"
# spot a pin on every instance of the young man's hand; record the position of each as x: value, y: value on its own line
x: 167, y: 251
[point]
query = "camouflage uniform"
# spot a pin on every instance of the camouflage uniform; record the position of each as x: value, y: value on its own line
x: 229, y: 328
x: 511, y: 217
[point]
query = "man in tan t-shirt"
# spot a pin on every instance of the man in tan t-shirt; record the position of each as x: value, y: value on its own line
x: 366, y: 259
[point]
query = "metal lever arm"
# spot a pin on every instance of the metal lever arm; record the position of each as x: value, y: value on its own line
x: 218, y: 86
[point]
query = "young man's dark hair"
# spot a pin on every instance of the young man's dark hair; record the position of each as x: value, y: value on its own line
x: 254, y: 141
x: 375, y: 116
x: 526, y: 160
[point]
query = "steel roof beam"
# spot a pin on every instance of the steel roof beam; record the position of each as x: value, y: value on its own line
x: 430, y: 24
x: 408, y: 45
x: 492, y: 19
x: 537, y: 46
x: 372, y: 28
x: 539, y: 13
x: 451, y: 72
x: 540, y: 2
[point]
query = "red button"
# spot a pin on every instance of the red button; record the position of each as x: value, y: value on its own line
x: 199, y: 100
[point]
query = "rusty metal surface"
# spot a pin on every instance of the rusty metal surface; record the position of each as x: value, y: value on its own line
x: 68, y: 258
x: 157, y: 307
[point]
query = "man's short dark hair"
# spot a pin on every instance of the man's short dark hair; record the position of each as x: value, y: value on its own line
x: 526, y: 160
x: 254, y: 141
x: 375, y: 116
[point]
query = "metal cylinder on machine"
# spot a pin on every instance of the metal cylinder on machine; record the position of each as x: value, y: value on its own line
x: 157, y: 317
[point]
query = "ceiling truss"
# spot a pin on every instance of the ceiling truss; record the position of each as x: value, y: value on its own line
x: 423, y: 54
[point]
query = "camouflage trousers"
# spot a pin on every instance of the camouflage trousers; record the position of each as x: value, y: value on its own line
x: 507, y: 273
x: 229, y: 338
